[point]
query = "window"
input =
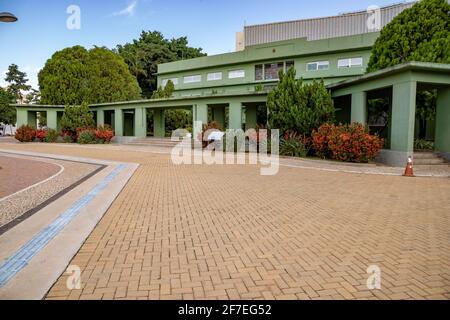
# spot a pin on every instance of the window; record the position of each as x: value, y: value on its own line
x: 351, y: 62
x: 174, y: 81
x: 214, y: 76
x: 269, y: 71
x: 259, y: 72
x: 192, y: 79
x: 319, y: 65
x: 236, y: 74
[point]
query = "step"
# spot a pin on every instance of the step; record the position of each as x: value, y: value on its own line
x: 425, y: 155
x: 443, y: 167
x: 429, y: 161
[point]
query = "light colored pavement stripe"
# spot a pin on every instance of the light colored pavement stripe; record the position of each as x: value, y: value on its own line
x: 22, y: 257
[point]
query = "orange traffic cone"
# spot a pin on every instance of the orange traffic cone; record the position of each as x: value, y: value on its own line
x: 409, y: 168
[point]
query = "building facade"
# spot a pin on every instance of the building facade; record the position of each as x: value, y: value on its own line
x: 232, y: 88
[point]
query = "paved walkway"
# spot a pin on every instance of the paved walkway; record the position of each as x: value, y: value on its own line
x: 225, y: 232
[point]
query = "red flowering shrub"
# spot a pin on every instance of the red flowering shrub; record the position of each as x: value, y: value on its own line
x: 25, y: 134
x: 104, y: 134
x: 41, y: 134
x: 350, y: 143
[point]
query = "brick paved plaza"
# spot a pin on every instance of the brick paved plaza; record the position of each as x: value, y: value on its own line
x: 225, y: 232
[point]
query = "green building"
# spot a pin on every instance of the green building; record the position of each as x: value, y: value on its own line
x: 232, y: 88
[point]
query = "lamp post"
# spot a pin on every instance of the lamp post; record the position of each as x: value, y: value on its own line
x: 7, y: 17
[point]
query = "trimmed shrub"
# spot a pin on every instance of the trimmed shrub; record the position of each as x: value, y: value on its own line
x: 320, y: 141
x: 76, y: 117
x: 104, y: 134
x: 51, y: 136
x: 294, y: 144
x: 423, y: 145
x: 349, y: 143
x: 87, y: 136
x: 25, y: 134
x: 41, y: 134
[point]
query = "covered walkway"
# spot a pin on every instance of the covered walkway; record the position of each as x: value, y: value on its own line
x: 402, y: 82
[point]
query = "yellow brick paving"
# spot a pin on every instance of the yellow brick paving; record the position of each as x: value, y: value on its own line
x: 225, y: 232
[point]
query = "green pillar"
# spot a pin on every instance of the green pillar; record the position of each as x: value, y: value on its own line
x: 442, y: 139
x: 235, y: 115
x: 100, y: 117
x: 403, y: 117
x: 219, y: 115
x: 118, y: 122
x: 159, y: 123
x: 31, y: 119
x: 140, y: 123
x: 52, y: 119
x: 359, y: 107
x: 200, y: 117
x: 251, y: 117
x: 22, y: 117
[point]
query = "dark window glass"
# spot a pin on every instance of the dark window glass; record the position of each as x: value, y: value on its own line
x: 271, y: 70
x: 259, y: 72
x: 289, y: 64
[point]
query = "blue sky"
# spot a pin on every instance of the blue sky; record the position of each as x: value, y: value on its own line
x: 210, y: 24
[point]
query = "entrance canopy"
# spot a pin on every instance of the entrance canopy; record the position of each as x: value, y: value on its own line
x: 404, y: 81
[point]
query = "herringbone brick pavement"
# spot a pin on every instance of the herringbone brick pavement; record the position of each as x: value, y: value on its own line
x: 225, y: 232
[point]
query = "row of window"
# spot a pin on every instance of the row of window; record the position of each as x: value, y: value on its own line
x: 214, y: 76
x: 342, y: 63
x: 269, y: 71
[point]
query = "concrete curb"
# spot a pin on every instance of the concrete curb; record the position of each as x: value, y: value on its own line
x: 39, y: 249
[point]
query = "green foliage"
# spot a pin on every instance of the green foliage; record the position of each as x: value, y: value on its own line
x: 87, y: 137
x: 423, y: 145
x: 144, y: 54
x: 165, y: 92
x: 76, y: 117
x: 33, y: 97
x: 296, y: 106
x: 76, y: 75
x: 17, y: 82
x: 7, y: 112
x: 294, y: 145
x: 51, y: 136
x: 421, y: 33
x: 177, y: 119
x: 25, y: 134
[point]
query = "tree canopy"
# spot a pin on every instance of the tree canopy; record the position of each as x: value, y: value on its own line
x: 17, y: 82
x: 144, y: 54
x: 420, y: 33
x: 7, y: 112
x: 299, y: 107
x: 76, y: 75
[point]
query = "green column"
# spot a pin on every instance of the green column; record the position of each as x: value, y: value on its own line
x: 359, y: 107
x: 22, y: 117
x: 250, y: 117
x: 442, y: 139
x: 52, y: 119
x: 403, y: 117
x: 200, y: 117
x: 235, y: 115
x: 31, y: 119
x: 219, y: 115
x: 118, y: 122
x: 159, y: 123
x: 100, y: 117
x: 140, y: 123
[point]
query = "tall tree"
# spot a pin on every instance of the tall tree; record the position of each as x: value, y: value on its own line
x: 17, y: 82
x: 144, y: 54
x: 420, y: 33
x: 297, y: 106
x: 33, y: 97
x: 7, y: 112
x: 76, y: 75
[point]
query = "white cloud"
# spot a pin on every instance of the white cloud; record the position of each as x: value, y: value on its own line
x: 128, y: 11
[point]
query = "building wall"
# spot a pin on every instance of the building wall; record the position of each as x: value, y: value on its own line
x: 300, y: 51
